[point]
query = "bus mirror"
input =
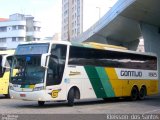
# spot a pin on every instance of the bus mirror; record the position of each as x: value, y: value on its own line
x: 5, y: 62
x: 43, y: 59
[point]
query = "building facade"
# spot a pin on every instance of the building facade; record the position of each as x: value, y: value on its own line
x: 55, y: 37
x: 18, y: 28
x: 72, y: 19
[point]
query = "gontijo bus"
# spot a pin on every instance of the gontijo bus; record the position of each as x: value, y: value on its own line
x: 62, y: 71
x: 5, y: 61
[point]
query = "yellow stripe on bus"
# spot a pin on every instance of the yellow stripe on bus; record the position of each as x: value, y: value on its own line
x: 31, y: 86
x: 123, y: 87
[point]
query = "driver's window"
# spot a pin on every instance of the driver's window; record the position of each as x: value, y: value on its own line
x: 56, y: 64
x: 2, y: 69
x: 9, y: 61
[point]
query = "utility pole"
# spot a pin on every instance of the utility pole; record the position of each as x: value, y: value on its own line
x: 99, y: 11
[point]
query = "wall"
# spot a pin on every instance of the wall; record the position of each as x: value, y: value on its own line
x: 151, y: 35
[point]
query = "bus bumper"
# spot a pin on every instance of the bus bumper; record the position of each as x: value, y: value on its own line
x: 31, y: 96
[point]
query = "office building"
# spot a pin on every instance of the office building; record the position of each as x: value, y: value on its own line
x: 18, y: 28
x: 72, y: 19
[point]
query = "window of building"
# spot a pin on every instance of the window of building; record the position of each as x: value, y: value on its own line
x: 75, y: 23
x: 72, y: 9
x: 20, y: 27
x: 75, y: 15
x: 2, y: 40
x: 13, y: 39
x: 20, y: 38
x: 36, y: 28
x: 38, y: 38
x: 3, y: 29
x: 78, y: 31
x: 75, y: 7
x: 72, y: 24
x: 72, y: 17
x: 66, y: 12
x: 75, y: 31
x: 14, y: 27
x: 72, y: 32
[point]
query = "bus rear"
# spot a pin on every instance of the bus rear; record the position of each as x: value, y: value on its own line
x: 5, y: 62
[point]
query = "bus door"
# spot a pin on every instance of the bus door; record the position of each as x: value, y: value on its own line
x: 1, y: 76
x: 55, y: 70
x: 4, y: 73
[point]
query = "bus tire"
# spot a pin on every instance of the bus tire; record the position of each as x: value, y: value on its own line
x: 142, y: 93
x: 7, y: 95
x: 134, y: 93
x: 70, y: 97
x: 41, y: 103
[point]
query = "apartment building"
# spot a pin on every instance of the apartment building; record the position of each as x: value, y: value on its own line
x: 72, y: 19
x: 18, y: 28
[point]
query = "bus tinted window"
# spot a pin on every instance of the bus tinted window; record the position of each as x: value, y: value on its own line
x: 56, y: 64
x: 32, y: 49
x: 107, y: 58
x: 0, y: 66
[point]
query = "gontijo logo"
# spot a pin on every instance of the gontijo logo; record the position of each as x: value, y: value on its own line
x: 131, y: 73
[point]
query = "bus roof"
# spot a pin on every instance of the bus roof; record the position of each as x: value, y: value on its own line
x: 92, y: 45
x: 104, y: 46
x: 45, y: 41
x: 8, y: 52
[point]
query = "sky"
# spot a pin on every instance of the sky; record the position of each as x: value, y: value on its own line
x: 49, y: 12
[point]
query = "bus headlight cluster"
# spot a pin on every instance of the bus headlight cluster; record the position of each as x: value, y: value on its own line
x: 38, y: 88
x: 11, y: 87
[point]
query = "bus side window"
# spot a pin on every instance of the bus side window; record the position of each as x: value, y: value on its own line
x: 1, y: 74
x: 2, y: 70
x: 56, y: 64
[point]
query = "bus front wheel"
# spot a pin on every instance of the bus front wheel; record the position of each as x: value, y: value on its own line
x: 134, y: 93
x: 41, y: 103
x: 71, y: 97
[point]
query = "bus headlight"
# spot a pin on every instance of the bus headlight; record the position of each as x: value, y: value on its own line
x: 38, y: 88
x: 11, y: 87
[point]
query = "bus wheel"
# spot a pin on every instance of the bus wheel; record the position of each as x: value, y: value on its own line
x: 7, y: 95
x: 134, y: 94
x: 142, y: 93
x: 71, y: 97
x: 41, y: 103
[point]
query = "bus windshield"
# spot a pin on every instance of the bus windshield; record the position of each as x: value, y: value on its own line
x: 28, y: 70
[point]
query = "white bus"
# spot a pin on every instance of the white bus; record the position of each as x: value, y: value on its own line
x: 62, y: 71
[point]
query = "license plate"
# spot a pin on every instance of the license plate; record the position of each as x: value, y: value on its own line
x: 23, y: 95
